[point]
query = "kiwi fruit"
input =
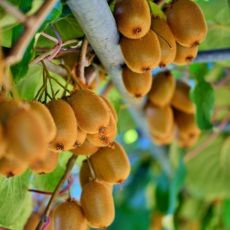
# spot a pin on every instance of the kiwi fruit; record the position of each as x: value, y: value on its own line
x: 104, y: 137
x: 97, y: 204
x: 187, y: 141
x: 85, y: 176
x: 167, y: 139
x: 166, y: 39
x: 81, y: 136
x: 141, y: 55
x: 137, y: 84
x: 181, y: 100
x: 186, y: 124
x: 33, y: 221
x: 187, y: 22
x: 66, y: 125
x: 12, y: 167
x: 91, y: 112
x: 185, y: 55
x: 160, y: 120
x: 110, y: 107
x: 87, y: 148
x: 46, y: 165
x: 69, y: 215
x: 26, y: 136
x: 111, y: 164
x: 133, y: 18
x: 162, y: 90
x: 2, y: 142
x: 46, y: 118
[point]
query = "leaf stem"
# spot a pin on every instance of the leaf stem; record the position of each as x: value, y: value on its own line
x: 69, y: 167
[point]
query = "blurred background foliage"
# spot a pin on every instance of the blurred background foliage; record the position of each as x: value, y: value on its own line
x: 195, y: 195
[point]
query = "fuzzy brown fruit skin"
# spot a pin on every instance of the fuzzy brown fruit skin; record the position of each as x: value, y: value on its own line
x: 46, y: 165
x: 185, y: 55
x: 32, y: 222
x: 105, y: 137
x: 85, y: 176
x: 163, y: 88
x: 87, y: 148
x: 187, y: 22
x: 166, y: 39
x: 66, y: 125
x: 141, y: 55
x: 69, y: 216
x: 46, y: 118
x: 181, y: 100
x: 2, y: 142
x: 133, y: 18
x: 138, y: 85
x: 81, y: 137
x: 186, y: 124
x: 110, y: 107
x: 26, y: 136
x: 111, y: 164
x: 90, y: 111
x: 12, y: 167
x: 97, y: 204
x: 187, y: 141
x: 160, y: 120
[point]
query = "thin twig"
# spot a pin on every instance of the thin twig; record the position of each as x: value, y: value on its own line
x: 12, y: 10
x: 40, y: 192
x: 32, y: 24
x: 109, y: 85
x: 83, y: 62
x: 208, y: 141
x: 68, y: 170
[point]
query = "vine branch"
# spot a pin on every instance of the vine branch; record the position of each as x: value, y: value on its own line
x: 69, y: 167
x: 31, y: 23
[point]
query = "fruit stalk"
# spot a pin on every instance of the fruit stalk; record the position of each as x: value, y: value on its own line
x: 69, y: 166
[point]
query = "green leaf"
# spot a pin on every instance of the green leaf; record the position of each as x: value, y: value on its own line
x: 156, y: 10
x: 206, y: 176
x: 15, y: 201
x: 203, y: 97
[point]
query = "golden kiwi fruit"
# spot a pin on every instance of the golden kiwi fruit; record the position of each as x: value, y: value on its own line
x: 160, y: 120
x: 46, y: 165
x: 66, y: 125
x: 186, y: 124
x: 141, y: 55
x: 85, y: 176
x: 181, y: 100
x: 12, y: 167
x: 166, y: 39
x: 137, y: 84
x: 97, y: 204
x: 2, y: 142
x: 87, y: 148
x: 167, y: 139
x: 133, y: 18
x: 187, y: 141
x: 111, y: 164
x: 110, y: 107
x: 90, y: 111
x: 163, y: 88
x: 33, y: 221
x: 104, y: 137
x: 185, y: 55
x: 187, y: 22
x: 81, y: 136
x: 26, y: 136
x: 46, y: 118
x: 69, y: 215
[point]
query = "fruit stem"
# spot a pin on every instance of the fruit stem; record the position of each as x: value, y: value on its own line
x: 69, y: 166
x: 91, y: 169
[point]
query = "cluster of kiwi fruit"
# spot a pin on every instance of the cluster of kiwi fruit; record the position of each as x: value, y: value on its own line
x: 102, y: 169
x: 170, y: 112
x: 149, y: 41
